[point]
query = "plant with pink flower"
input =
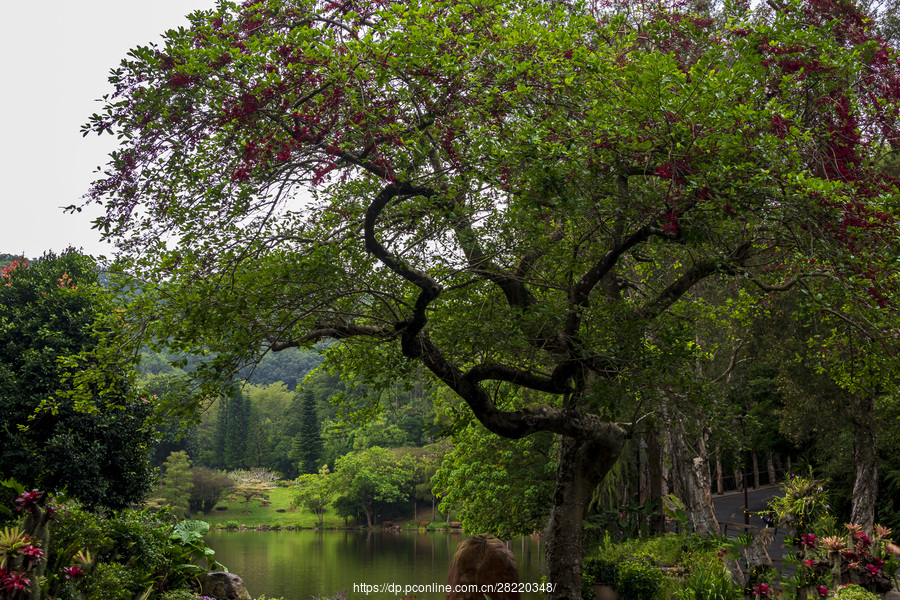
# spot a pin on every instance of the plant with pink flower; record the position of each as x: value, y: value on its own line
x: 809, y: 540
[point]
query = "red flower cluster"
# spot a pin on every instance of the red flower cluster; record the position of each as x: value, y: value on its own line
x: 28, y: 500
x: 13, y: 582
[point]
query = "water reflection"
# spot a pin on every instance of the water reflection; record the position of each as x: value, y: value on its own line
x: 297, y: 564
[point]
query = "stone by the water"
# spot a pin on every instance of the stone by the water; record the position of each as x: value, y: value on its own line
x: 223, y: 586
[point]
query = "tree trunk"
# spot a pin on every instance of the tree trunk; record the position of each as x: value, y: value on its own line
x: 691, y: 476
x: 755, y: 469
x: 582, y: 466
x: 690, y: 469
x: 770, y: 464
x: 865, y: 464
x: 720, y: 472
x: 655, y: 466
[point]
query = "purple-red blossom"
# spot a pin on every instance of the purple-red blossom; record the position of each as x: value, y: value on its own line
x: 17, y: 582
x: 28, y: 500
x: 32, y: 552
x: 72, y: 572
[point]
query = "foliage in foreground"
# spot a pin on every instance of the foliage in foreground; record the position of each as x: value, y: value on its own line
x: 67, y: 551
x: 88, y: 437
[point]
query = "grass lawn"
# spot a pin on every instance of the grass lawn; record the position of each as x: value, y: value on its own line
x: 260, y: 512
x: 256, y: 513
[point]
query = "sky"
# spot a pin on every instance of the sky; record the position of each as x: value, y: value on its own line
x: 55, y: 59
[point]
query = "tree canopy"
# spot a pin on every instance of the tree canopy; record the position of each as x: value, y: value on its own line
x: 502, y: 192
x: 52, y: 315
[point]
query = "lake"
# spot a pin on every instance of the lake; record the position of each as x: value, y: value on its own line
x: 297, y: 564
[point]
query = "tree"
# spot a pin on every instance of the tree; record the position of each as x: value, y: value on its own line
x: 177, y: 483
x: 232, y: 430
x: 501, y: 193
x: 496, y: 485
x: 313, y: 492
x: 208, y: 488
x: 373, y: 477
x: 309, y: 438
x: 253, y: 483
x: 90, y: 437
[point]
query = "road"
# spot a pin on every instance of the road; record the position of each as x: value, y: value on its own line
x: 730, y: 509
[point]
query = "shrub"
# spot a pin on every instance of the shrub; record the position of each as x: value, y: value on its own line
x: 709, y: 582
x: 855, y: 592
x: 597, y: 571
x: 110, y: 581
x: 209, y: 487
x: 639, y: 580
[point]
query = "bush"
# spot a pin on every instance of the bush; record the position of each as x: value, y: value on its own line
x: 110, y: 581
x: 709, y: 582
x: 597, y: 571
x: 639, y: 580
x: 209, y: 487
x: 855, y: 592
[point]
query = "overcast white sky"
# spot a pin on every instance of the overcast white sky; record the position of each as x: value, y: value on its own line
x: 55, y: 58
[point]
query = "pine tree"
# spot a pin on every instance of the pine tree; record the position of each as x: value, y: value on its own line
x: 236, y: 423
x: 309, y: 438
x: 177, y: 484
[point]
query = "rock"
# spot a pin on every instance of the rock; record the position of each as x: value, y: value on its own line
x: 223, y: 586
x: 483, y: 560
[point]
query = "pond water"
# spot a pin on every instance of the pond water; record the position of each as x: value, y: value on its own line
x: 297, y: 564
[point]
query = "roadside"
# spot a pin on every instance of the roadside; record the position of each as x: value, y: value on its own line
x: 730, y: 509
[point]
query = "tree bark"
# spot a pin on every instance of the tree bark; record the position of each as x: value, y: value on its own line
x: 655, y: 467
x: 770, y: 464
x: 691, y: 475
x: 690, y: 468
x: 755, y: 469
x: 720, y: 472
x: 865, y: 464
x: 582, y: 465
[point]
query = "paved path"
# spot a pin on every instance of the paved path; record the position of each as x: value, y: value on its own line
x: 730, y: 509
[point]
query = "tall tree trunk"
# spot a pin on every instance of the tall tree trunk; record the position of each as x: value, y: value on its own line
x: 770, y: 464
x: 582, y: 466
x: 755, y: 469
x: 690, y: 469
x: 691, y: 475
x: 655, y: 467
x: 720, y: 472
x: 865, y: 464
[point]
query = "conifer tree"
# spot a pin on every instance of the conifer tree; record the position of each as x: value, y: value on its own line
x: 178, y: 483
x: 309, y: 438
x: 236, y: 422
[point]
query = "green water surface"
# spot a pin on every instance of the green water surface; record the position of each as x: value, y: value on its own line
x: 298, y: 564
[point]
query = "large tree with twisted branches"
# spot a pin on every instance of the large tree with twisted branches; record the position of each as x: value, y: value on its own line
x: 517, y: 197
